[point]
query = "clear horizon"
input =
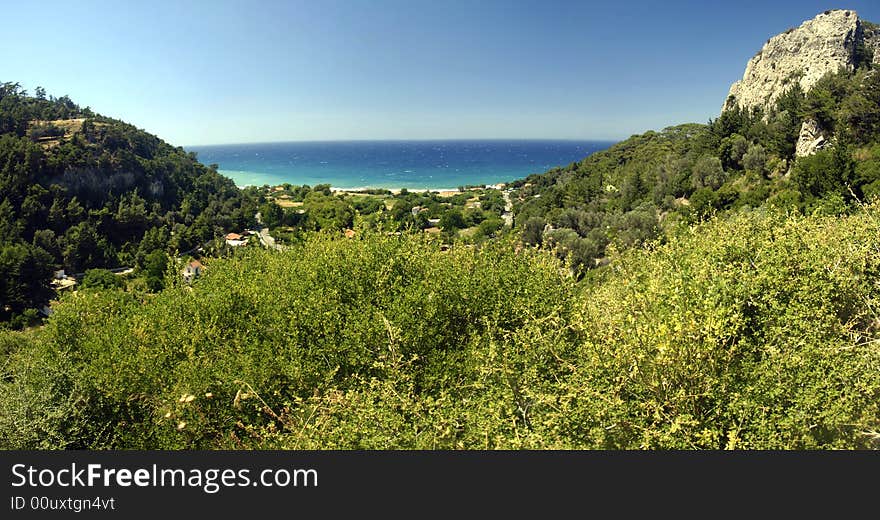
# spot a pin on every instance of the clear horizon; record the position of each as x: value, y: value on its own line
x: 426, y: 140
x: 231, y: 72
x: 411, y: 164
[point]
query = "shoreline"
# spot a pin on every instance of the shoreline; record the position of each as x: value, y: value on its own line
x: 443, y: 192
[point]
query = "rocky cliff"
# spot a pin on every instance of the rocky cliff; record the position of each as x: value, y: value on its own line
x: 831, y: 41
x: 804, y: 54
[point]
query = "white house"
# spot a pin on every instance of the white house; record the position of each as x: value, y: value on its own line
x: 193, y: 270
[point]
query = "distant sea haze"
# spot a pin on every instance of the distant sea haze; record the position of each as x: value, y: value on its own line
x: 392, y: 164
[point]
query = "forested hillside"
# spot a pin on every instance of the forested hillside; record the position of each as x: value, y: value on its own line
x: 79, y: 191
x: 629, y: 194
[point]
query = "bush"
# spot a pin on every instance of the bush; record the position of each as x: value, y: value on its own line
x: 828, y: 171
x: 533, y: 231
x: 755, y: 159
x: 755, y: 331
x: 384, y: 327
x: 101, y: 279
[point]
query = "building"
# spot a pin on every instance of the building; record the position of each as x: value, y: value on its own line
x: 61, y: 281
x: 235, y: 240
x: 193, y: 270
x: 61, y: 284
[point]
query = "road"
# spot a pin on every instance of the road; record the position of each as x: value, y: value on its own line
x: 267, y: 240
x: 263, y: 234
x: 508, y: 209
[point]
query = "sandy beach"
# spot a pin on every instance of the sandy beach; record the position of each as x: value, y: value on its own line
x: 443, y: 192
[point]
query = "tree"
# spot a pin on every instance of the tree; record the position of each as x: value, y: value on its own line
x: 154, y: 238
x: 490, y: 226
x: 755, y: 159
x: 533, y: 231
x: 101, y: 279
x: 859, y: 117
x: 827, y: 171
x: 85, y: 248
x: 707, y: 173
x: 570, y: 247
x: 473, y: 216
x: 131, y: 218
x: 368, y: 205
x: 25, y: 273
x: 46, y: 239
x: 108, y: 187
x: 272, y: 214
x: 732, y: 150
x: 819, y: 105
x: 155, y: 265
x: 452, y: 220
x: 56, y: 214
x: 10, y: 227
x: 703, y: 202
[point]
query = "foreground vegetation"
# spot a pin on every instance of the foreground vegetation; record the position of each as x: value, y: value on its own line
x: 753, y: 331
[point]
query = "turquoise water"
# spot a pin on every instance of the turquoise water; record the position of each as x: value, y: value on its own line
x: 392, y: 164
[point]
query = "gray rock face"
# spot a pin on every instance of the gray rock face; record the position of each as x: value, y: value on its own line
x: 803, y: 54
x: 829, y: 42
x: 811, y: 138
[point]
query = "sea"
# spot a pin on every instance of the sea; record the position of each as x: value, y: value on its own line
x: 433, y: 165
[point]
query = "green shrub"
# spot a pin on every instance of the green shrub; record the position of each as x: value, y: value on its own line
x: 264, y: 333
x: 101, y: 279
x: 754, y: 331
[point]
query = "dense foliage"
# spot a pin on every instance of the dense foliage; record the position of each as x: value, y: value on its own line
x: 292, y: 210
x: 754, y: 331
x: 81, y: 191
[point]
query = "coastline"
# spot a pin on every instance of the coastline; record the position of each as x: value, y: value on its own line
x: 415, y: 166
x: 443, y: 192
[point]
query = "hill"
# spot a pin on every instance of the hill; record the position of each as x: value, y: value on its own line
x: 802, y: 144
x: 80, y: 191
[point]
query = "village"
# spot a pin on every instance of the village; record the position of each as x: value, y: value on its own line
x: 468, y: 214
x: 192, y: 267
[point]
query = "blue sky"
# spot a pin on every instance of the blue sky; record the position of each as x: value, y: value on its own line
x: 229, y: 71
